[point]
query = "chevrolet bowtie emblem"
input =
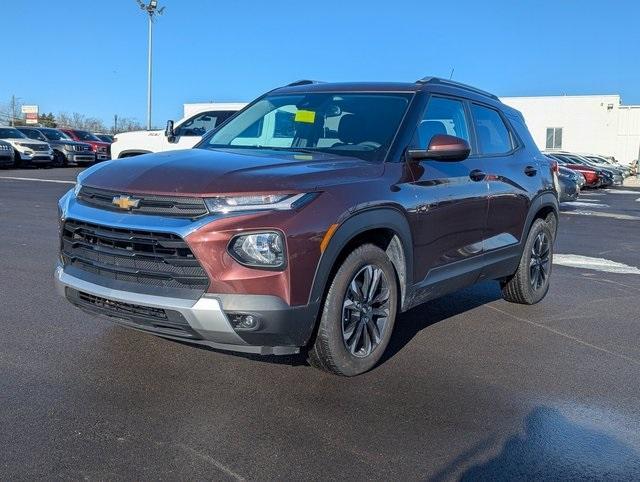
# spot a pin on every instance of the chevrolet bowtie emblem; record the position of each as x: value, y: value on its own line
x: 125, y: 202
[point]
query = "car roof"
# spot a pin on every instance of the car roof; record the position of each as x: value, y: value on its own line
x: 430, y: 84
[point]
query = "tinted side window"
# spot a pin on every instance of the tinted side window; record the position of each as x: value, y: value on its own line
x: 32, y: 134
x: 202, y: 123
x: 443, y: 116
x: 493, y: 135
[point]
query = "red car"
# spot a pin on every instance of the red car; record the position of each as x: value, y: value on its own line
x: 101, y: 148
x: 590, y: 175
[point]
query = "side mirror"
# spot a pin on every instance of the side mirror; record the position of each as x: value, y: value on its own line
x: 168, y: 131
x: 442, y: 147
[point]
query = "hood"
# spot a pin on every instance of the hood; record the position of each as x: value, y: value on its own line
x: 199, y: 172
x: 23, y: 141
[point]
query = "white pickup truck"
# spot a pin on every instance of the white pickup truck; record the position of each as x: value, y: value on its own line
x: 183, y: 134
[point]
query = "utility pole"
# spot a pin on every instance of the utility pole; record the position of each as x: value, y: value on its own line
x: 115, y: 124
x: 13, y: 110
x: 152, y: 10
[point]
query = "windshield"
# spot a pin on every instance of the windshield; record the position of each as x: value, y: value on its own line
x: 86, y: 136
x: 54, y: 134
x: 362, y: 125
x: 10, y: 133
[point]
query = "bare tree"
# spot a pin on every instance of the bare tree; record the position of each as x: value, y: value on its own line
x: 77, y: 120
x: 127, y: 124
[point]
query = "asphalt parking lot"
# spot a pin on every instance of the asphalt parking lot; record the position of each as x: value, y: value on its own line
x: 472, y: 388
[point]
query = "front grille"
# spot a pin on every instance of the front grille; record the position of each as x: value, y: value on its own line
x: 183, y: 207
x: 37, y: 147
x: 159, y: 320
x: 139, y: 257
x: 102, y: 149
x: 82, y: 148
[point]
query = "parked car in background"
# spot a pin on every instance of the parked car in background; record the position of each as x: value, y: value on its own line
x: 100, y: 148
x: 6, y: 154
x: 26, y: 151
x: 183, y: 134
x: 104, y: 137
x: 612, y: 173
x: 570, y: 182
x: 591, y: 176
x: 313, y: 217
x: 605, y: 161
x: 65, y: 149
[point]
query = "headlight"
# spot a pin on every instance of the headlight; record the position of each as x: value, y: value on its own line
x: 280, y: 202
x: 261, y: 250
x: 69, y: 147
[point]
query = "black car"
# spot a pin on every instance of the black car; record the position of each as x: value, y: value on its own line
x: 65, y: 149
x: 6, y: 154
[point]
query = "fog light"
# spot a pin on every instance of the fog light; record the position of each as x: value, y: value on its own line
x: 244, y: 322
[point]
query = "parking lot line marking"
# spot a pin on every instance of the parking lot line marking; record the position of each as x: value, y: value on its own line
x: 36, y: 179
x: 560, y: 333
x: 620, y: 191
x: 590, y: 204
x: 594, y: 264
x: 588, y: 276
x: 624, y: 217
x: 211, y: 460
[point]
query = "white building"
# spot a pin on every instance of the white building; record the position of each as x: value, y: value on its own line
x: 597, y: 124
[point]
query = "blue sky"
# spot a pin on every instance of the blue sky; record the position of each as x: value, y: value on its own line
x: 89, y: 56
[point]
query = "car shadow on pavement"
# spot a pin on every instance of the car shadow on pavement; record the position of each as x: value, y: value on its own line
x: 409, y: 324
x: 550, y: 447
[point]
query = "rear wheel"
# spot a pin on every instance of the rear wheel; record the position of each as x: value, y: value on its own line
x: 358, y: 314
x: 530, y: 283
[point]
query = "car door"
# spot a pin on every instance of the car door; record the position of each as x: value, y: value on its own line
x: 449, y: 218
x: 512, y: 176
x: 190, y: 132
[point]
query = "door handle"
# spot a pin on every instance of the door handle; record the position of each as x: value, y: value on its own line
x: 530, y: 171
x: 477, y: 175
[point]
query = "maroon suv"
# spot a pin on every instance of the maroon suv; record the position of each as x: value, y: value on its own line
x: 312, y: 218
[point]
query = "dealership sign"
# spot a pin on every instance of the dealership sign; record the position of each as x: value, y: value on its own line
x: 30, y: 113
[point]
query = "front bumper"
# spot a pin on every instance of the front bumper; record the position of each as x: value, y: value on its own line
x: 37, y: 157
x: 206, y: 322
x: 6, y: 158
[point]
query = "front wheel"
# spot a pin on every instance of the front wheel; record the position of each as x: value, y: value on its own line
x: 358, y: 314
x: 17, y: 160
x: 59, y: 159
x: 530, y: 283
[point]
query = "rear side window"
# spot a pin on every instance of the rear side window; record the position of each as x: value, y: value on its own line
x: 493, y: 135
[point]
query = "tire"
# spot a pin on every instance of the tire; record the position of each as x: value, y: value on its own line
x: 60, y: 160
x: 364, y: 325
x: 526, y: 286
x: 17, y: 160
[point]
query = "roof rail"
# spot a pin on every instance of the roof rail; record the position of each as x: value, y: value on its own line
x: 304, y: 82
x: 459, y: 85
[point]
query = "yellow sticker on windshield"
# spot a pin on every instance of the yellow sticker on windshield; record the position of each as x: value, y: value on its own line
x: 306, y: 116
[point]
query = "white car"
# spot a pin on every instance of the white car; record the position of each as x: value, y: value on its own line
x: 183, y: 134
x: 25, y: 150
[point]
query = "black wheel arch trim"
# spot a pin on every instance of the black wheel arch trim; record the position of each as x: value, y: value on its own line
x: 541, y: 201
x: 359, y: 222
x: 133, y: 152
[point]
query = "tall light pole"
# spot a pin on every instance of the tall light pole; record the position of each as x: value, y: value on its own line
x: 152, y: 10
